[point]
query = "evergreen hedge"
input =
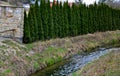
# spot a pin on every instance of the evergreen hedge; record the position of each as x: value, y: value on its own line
x: 44, y: 22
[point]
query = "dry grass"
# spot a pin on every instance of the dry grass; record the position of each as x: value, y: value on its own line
x: 81, y: 43
x: 108, y: 65
x: 23, y: 60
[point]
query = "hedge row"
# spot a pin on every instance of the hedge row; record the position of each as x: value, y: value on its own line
x: 44, y: 22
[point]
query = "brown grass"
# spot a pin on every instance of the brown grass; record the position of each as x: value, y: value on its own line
x: 21, y: 61
x: 81, y: 43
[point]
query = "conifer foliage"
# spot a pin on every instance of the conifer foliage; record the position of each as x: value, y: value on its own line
x: 44, y: 22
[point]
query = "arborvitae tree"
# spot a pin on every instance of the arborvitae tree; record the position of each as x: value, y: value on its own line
x: 26, y: 37
x: 65, y: 15
x: 89, y: 20
x: 31, y: 23
x: 56, y: 18
x: 98, y: 17
x: 51, y: 25
x: 36, y: 18
x: 74, y: 20
x: 44, y: 15
x: 39, y: 27
x: 109, y: 18
x: 43, y: 12
x: 84, y: 19
x: 118, y: 19
x: 70, y: 20
x: 25, y: 28
x: 47, y: 7
x: 61, y: 20
x: 51, y: 33
x: 95, y: 17
x: 81, y: 16
x: 78, y: 23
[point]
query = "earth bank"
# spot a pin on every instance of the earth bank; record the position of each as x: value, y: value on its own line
x: 24, y: 59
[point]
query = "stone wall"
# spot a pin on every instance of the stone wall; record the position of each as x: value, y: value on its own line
x: 11, y: 22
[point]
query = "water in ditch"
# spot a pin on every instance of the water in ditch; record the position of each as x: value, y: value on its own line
x: 73, y: 64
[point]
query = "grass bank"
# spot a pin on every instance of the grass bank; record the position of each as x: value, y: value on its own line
x: 23, y: 59
x: 107, y: 65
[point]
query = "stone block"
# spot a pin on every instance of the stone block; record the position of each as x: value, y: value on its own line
x: 11, y: 21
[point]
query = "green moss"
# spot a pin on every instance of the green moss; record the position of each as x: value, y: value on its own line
x: 28, y: 58
x: 9, y: 42
x: 3, y: 47
x: 53, y: 52
x: 29, y: 46
x: 59, y: 58
x: 6, y: 72
x: 112, y: 73
x: 1, y: 63
x: 79, y: 52
x: 73, y: 74
x: 36, y: 65
x: 49, y: 56
x: 50, y: 61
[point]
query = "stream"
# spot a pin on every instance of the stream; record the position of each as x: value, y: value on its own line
x: 66, y: 67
